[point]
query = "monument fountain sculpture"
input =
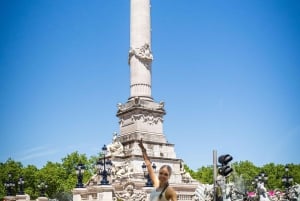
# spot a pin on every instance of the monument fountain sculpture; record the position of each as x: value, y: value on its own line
x: 140, y: 117
x: 204, y: 192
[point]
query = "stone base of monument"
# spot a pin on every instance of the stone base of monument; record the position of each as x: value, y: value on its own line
x: 96, y: 192
x: 130, y: 190
x: 9, y: 198
x: 24, y: 197
x: 42, y: 199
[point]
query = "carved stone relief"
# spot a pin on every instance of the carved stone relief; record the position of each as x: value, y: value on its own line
x: 143, y: 53
x: 130, y: 193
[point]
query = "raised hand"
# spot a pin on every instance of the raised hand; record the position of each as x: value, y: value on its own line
x: 141, y: 145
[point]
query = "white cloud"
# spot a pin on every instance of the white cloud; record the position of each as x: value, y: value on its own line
x: 37, y: 152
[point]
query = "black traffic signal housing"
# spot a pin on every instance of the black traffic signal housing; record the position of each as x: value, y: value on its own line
x: 224, y: 168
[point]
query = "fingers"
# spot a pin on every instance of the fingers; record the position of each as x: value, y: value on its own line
x: 141, y: 142
x: 141, y: 145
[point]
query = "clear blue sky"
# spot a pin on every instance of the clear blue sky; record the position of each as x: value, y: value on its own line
x: 228, y: 71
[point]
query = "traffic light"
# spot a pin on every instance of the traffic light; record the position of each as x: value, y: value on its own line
x: 225, y: 169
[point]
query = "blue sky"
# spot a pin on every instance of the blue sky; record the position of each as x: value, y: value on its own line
x: 228, y: 72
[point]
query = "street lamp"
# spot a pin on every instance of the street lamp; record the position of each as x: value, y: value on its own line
x: 147, y: 176
x: 259, y: 183
x: 9, y: 184
x: 287, y: 180
x: 104, y: 167
x: 255, y: 182
x: 263, y: 177
x: 42, y: 186
x: 79, y: 171
x: 260, y: 178
x: 21, y: 185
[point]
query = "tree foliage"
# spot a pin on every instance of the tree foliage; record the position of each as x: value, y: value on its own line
x: 61, y: 177
x: 246, y: 171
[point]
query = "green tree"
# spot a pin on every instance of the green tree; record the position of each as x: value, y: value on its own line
x: 54, y: 175
x: 245, y: 170
x: 15, y: 169
x: 61, y: 177
x: 69, y: 164
x: 204, y: 174
x: 29, y: 174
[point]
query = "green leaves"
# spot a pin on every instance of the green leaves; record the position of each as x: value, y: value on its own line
x: 245, y: 171
x: 60, y: 178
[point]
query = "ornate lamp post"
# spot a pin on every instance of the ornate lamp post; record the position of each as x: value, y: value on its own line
x: 104, y: 167
x: 287, y: 181
x: 255, y: 181
x: 147, y: 176
x: 262, y: 177
x: 21, y: 185
x: 79, y: 172
x: 42, y: 186
x: 9, y: 184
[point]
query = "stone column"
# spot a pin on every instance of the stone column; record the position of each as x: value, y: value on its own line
x: 140, y: 55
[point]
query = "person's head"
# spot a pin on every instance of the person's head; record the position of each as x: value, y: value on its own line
x: 165, y: 172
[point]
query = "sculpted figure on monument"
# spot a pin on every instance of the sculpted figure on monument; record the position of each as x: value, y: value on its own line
x: 131, y: 194
x: 122, y: 170
x: 116, y: 147
x: 186, y: 177
x: 143, y: 53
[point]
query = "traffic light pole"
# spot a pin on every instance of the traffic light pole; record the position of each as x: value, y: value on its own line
x: 214, y: 172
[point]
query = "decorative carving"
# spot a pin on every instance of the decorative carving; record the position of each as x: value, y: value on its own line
x: 143, y: 53
x: 116, y: 147
x: 150, y: 119
x: 121, y: 171
x: 137, y: 100
x: 130, y: 193
x: 161, y: 105
x: 94, y: 180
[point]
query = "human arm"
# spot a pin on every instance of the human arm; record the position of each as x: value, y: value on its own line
x: 148, y: 164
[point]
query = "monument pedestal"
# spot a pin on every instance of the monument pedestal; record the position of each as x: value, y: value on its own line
x: 79, y: 194
x: 42, y: 199
x: 9, y: 198
x: 139, y: 118
x: 22, y: 197
x: 95, y: 192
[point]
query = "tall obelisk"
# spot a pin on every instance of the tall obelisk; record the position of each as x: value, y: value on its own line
x: 140, y: 55
x: 141, y: 116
